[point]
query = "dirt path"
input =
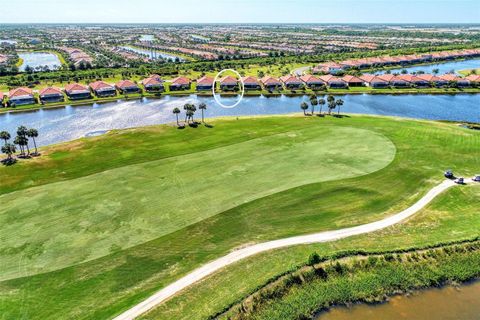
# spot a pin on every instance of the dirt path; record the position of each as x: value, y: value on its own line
x: 243, y: 253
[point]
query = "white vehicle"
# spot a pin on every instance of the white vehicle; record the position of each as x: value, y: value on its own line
x: 476, y: 178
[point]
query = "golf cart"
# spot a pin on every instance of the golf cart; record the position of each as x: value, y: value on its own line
x: 449, y: 174
x: 460, y: 181
x: 476, y: 178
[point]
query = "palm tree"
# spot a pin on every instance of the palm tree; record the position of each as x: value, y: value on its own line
x: 33, y: 133
x: 4, y: 135
x: 321, y: 102
x: 189, y: 115
x: 202, y: 107
x: 20, y: 141
x: 339, y: 103
x: 313, y: 102
x: 9, y: 149
x: 176, y: 112
x: 304, y: 107
x: 193, y: 109
x: 186, y: 107
x: 22, y: 133
x: 331, y: 105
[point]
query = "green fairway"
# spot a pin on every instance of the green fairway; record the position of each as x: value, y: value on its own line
x: 119, y: 208
x: 288, y: 203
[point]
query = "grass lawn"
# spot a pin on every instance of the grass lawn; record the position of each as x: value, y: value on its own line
x: 308, y: 203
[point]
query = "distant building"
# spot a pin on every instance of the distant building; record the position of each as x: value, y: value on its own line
x: 180, y: 83
x: 251, y: 83
x: 76, y: 91
x: 271, y: 83
x: 228, y: 83
x: 312, y: 82
x: 51, y: 94
x: 103, y: 89
x: 205, y: 83
x: 153, y: 83
x: 353, y: 81
x: 290, y: 82
x: 21, y: 96
x: 127, y: 86
x: 333, y: 82
x: 374, y: 81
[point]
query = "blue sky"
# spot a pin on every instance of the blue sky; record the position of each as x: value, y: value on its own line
x: 232, y: 11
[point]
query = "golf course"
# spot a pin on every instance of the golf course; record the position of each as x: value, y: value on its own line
x: 95, y: 226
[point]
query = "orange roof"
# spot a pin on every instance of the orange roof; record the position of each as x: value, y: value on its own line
x: 270, y: 80
x: 372, y: 78
x: 449, y: 77
x: 205, y: 80
x: 473, y: 78
x: 329, y: 77
x: 126, y: 84
x: 387, y: 77
x: 97, y: 85
x: 428, y: 77
x: 76, y: 87
x: 228, y: 79
x: 181, y: 81
x: 250, y: 79
x: 308, y: 78
x: 154, y: 79
x: 50, y: 91
x: 351, y: 79
x: 19, y: 92
x: 289, y: 79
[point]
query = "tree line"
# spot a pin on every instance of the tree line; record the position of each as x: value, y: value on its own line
x: 22, y: 140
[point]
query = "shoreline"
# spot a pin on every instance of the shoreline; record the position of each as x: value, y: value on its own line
x: 266, y: 94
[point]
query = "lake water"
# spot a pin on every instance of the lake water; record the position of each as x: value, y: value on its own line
x: 444, y: 67
x: 68, y: 123
x: 448, y: 303
x: 39, y: 59
x: 153, y: 55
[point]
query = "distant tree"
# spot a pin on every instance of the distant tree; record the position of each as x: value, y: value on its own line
x: 5, y: 136
x: 339, y: 103
x: 33, y: 133
x: 202, y: 107
x: 321, y: 102
x: 176, y: 112
x: 313, y: 102
x: 304, y: 107
x: 435, y: 71
x: 22, y: 134
x: 260, y: 74
x: 9, y: 149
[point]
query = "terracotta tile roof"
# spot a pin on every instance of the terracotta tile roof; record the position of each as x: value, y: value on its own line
x: 181, y: 81
x: 449, y: 77
x: 329, y: 78
x: 250, y: 80
x: 50, y: 91
x: 126, y: 84
x: 352, y: 79
x: 428, y: 77
x: 228, y: 80
x: 387, y: 77
x: 153, y: 80
x: 308, y: 78
x: 369, y: 78
x: 76, y: 87
x: 290, y: 79
x: 267, y: 80
x: 99, y: 85
x: 473, y: 78
x: 205, y: 80
x: 20, y: 92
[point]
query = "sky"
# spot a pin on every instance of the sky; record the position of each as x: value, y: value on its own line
x: 240, y: 11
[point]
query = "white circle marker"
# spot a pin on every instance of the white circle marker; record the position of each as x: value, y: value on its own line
x: 215, y: 84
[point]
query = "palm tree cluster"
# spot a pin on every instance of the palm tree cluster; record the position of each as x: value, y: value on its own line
x: 190, y: 110
x: 331, y: 102
x: 21, y: 140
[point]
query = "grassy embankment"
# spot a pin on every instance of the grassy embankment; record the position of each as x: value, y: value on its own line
x: 358, y: 278
x: 126, y: 276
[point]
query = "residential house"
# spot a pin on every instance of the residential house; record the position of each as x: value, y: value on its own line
x: 474, y: 79
x: 251, y: 83
x: 76, y: 91
x: 21, y: 96
x: 205, y: 83
x: 271, y: 83
x: 51, y: 94
x: 228, y: 83
x: 292, y: 83
x: 153, y: 83
x: 127, y: 86
x: 180, y: 83
x: 103, y: 89
x: 374, y: 81
x: 353, y: 81
x: 334, y: 82
x: 432, y: 80
x: 312, y: 82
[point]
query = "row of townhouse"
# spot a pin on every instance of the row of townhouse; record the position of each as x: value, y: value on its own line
x: 77, y: 56
x: 333, y: 67
x: 154, y: 83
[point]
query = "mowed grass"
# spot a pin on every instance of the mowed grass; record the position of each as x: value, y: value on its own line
x: 63, y: 223
x: 125, y: 277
